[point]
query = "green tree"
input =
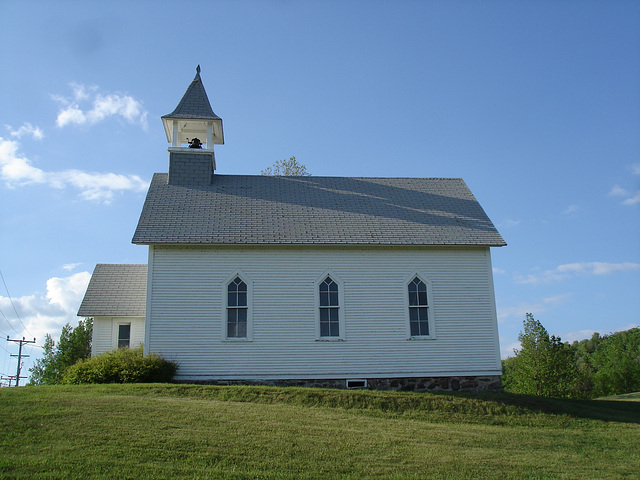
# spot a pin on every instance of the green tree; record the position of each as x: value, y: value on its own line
x: 287, y: 168
x: 74, y: 345
x: 617, y: 363
x: 544, y: 366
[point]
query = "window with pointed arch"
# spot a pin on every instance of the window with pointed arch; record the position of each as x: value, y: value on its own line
x: 330, y: 315
x: 420, y: 322
x: 237, y: 309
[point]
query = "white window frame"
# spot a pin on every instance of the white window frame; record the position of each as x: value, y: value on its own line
x: 341, y: 307
x: 225, y: 285
x: 430, y: 309
x: 118, y: 325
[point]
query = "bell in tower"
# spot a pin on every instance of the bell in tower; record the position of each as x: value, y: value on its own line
x: 194, y: 118
x: 192, y: 161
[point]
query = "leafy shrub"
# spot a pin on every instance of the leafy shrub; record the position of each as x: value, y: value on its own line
x: 121, y: 366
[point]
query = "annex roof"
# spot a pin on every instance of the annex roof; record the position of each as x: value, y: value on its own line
x: 194, y: 102
x: 310, y: 210
x: 116, y: 290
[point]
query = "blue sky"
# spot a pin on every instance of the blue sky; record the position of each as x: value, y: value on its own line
x: 535, y: 104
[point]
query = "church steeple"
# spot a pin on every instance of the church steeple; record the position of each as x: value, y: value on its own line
x: 194, y: 118
x: 192, y: 129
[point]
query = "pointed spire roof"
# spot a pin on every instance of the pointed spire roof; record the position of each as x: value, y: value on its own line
x: 194, y: 103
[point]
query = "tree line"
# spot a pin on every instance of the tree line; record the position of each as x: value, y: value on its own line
x: 599, y: 366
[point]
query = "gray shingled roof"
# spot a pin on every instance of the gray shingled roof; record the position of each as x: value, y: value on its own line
x: 244, y: 209
x: 116, y: 290
x: 194, y: 103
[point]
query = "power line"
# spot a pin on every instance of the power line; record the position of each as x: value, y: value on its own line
x: 14, y: 307
x: 7, y: 320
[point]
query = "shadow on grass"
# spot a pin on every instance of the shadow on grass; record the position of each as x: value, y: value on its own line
x: 485, y: 408
x: 614, y: 409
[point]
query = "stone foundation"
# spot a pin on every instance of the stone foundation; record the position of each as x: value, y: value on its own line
x: 489, y: 383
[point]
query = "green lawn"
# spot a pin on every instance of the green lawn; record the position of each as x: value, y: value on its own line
x: 203, y: 432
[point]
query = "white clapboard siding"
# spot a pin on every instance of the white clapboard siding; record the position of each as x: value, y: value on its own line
x: 186, y: 312
x: 101, y: 335
x: 105, y: 333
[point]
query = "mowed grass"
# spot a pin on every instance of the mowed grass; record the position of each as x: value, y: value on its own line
x: 205, y: 432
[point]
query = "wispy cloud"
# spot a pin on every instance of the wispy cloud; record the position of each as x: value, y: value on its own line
x: 630, y: 198
x: 17, y: 170
x: 26, y: 129
x: 571, y: 209
x: 47, y: 313
x: 70, y: 266
x: 508, y: 223
x: 88, y: 106
x: 521, y: 309
x: 568, y: 270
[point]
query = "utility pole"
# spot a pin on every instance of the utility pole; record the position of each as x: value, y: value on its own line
x: 20, y: 356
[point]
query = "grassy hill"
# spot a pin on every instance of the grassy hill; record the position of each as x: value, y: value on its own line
x: 204, y: 432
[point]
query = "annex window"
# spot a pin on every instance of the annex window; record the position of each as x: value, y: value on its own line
x: 124, y: 335
x: 329, y: 308
x: 418, y: 308
x: 237, y: 309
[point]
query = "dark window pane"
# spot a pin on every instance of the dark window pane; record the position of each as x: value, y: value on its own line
x: 242, y: 299
x: 324, y: 329
x: 333, y: 315
x: 242, y: 315
x: 242, y: 287
x: 333, y: 298
x: 424, y: 328
x: 232, y: 299
x: 334, y: 329
x: 413, y: 298
x: 232, y: 314
x: 124, y: 331
x: 324, y: 315
x: 413, y: 314
x: 324, y: 299
x: 232, y: 287
x: 231, y: 330
x: 415, y: 329
x: 422, y: 298
x: 124, y: 334
x: 422, y: 314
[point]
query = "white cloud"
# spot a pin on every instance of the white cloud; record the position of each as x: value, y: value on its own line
x: 70, y: 266
x: 632, y: 200
x: 17, y: 170
x: 42, y: 314
x: 635, y: 168
x: 88, y: 106
x: 28, y: 129
x: 631, y: 197
x: 618, y: 191
x: 563, y: 272
x: 571, y: 209
x: 499, y: 271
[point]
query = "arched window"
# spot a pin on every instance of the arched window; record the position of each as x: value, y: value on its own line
x: 418, y: 308
x: 329, y: 304
x: 237, y: 308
